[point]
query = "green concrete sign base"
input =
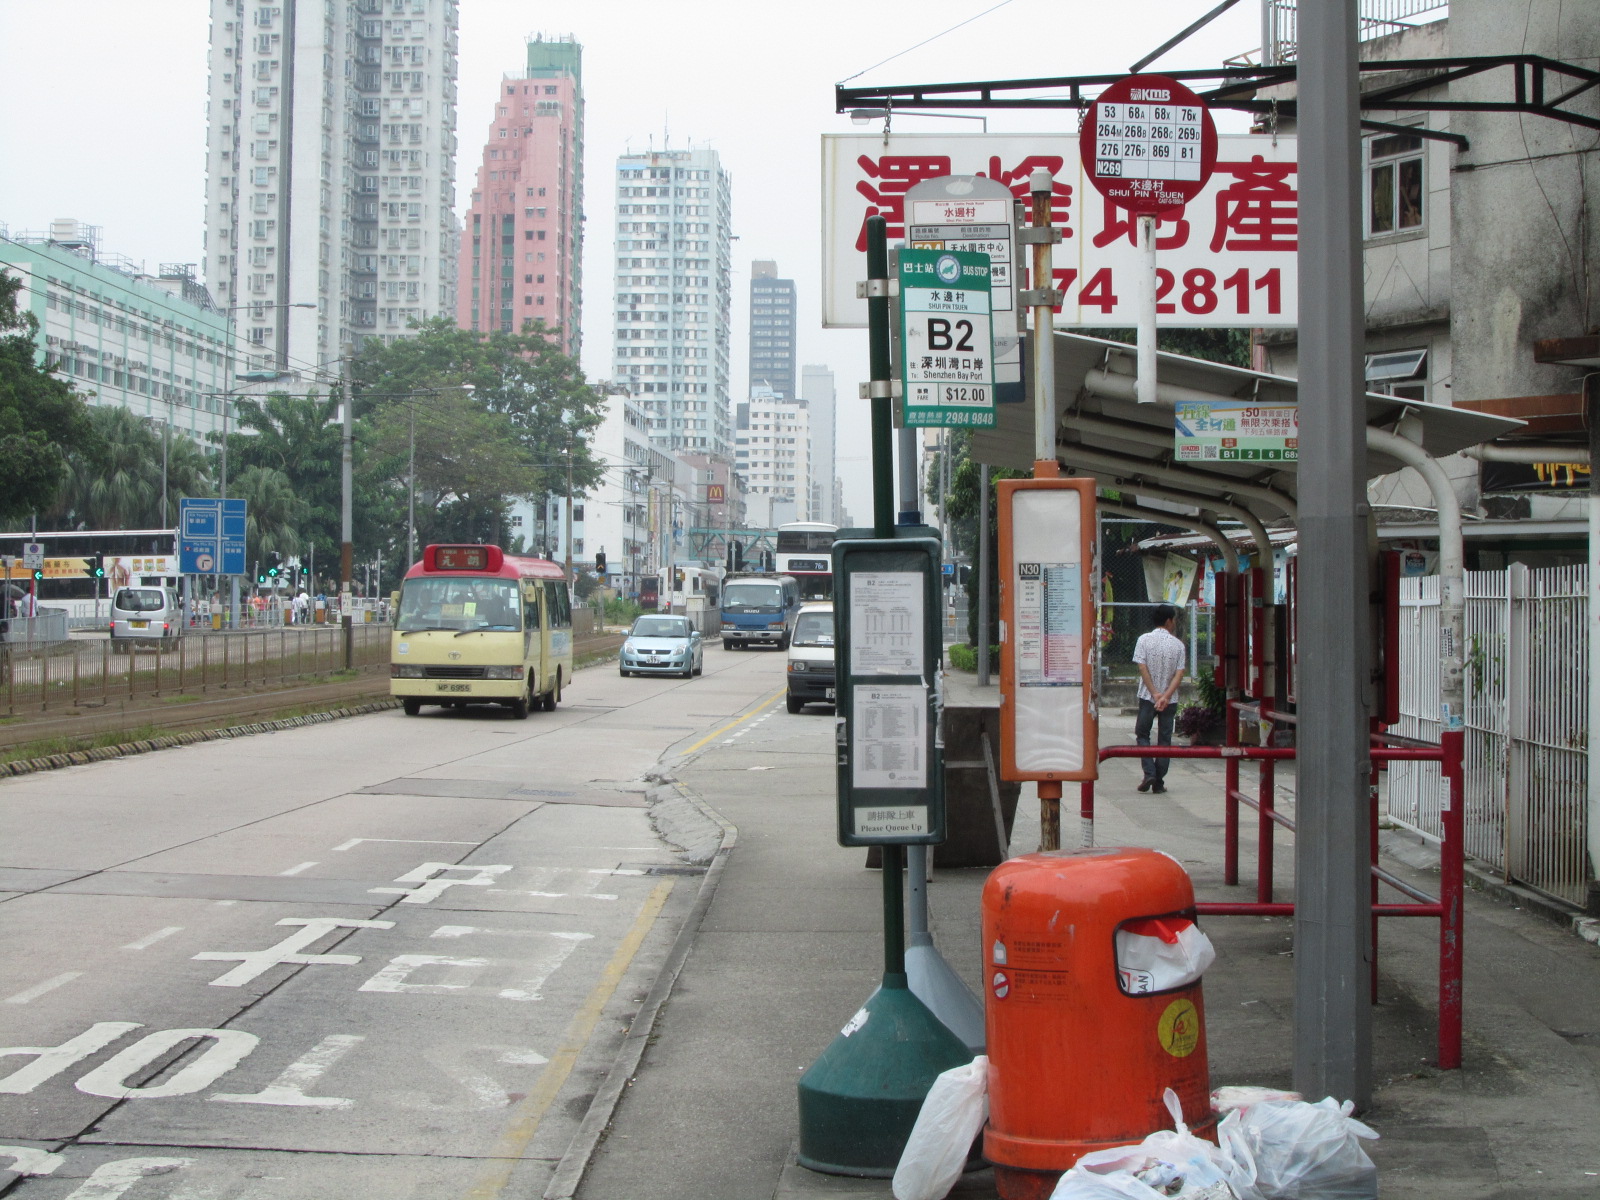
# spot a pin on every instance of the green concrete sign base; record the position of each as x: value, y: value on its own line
x: 859, y: 1100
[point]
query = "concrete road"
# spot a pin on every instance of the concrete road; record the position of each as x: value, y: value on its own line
x: 386, y: 957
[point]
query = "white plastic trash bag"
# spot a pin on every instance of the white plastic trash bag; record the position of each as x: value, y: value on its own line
x: 1157, y: 953
x: 1226, y: 1099
x: 1118, y: 1185
x: 1168, y: 1163
x: 953, y: 1112
x: 1305, y: 1151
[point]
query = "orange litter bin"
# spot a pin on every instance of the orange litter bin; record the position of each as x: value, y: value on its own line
x: 1080, y: 1053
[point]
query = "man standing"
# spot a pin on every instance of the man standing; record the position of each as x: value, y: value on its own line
x: 1160, y: 656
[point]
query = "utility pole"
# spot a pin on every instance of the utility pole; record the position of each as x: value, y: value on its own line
x: 346, y: 507
x: 1333, y: 846
x: 569, y: 505
x: 411, y: 488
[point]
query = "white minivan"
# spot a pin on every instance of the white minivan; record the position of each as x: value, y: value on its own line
x: 811, y: 678
x: 145, y: 616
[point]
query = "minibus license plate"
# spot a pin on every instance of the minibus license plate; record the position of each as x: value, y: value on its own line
x: 455, y: 687
x: 827, y: 694
x: 138, y: 624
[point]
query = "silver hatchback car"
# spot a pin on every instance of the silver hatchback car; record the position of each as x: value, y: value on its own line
x: 662, y: 645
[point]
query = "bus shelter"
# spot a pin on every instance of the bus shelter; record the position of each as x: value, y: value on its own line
x: 1131, y: 451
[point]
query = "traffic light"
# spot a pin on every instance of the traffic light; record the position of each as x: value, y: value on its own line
x: 95, y: 566
x: 273, y: 567
x: 261, y: 576
x: 736, y: 556
x: 38, y: 575
x: 677, y: 578
x: 600, y: 563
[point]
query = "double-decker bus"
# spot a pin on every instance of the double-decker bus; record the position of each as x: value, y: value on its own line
x: 479, y: 626
x: 805, y: 551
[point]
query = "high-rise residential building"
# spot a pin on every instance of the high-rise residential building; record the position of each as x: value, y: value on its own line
x: 772, y: 329
x: 522, y: 249
x: 673, y: 301
x: 817, y: 391
x: 330, y: 173
x: 773, y: 454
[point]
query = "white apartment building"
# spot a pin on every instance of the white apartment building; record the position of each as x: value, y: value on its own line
x: 817, y: 391
x: 773, y: 454
x: 330, y: 174
x: 673, y: 298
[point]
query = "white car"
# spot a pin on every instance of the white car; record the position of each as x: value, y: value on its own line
x: 662, y: 645
x: 148, y: 616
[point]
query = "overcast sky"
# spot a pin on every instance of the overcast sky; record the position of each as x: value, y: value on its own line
x: 102, y: 116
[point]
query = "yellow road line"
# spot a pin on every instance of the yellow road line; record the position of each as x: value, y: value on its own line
x: 765, y: 704
x: 531, y: 1109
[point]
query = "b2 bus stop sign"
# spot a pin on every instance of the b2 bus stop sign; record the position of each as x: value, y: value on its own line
x: 886, y: 607
x: 946, y: 338
x: 1149, y: 144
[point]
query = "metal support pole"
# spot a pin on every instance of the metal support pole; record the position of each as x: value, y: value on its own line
x: 1147, y: 309
x: 906, y: 468
x: 411, y: 491
x: 880, y: 375
x: 1591, y: 402
x: 1333, y: 1019
x: 985, y: 568
x: 346, y: 487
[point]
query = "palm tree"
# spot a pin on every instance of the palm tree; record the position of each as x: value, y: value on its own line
x: 120, y: 486
x: 274, y: 513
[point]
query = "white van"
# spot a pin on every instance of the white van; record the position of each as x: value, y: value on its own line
x: 811, y: 679
x: 145, y: 616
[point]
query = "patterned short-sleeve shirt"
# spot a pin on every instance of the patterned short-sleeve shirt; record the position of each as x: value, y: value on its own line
x: 1163, y: 654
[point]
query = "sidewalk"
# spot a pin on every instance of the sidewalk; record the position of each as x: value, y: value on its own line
x: 791, y: 944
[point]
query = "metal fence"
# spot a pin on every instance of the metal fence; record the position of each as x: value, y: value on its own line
x: 88, y: 673
x: 1280, y: 23
x: 1526, y: 718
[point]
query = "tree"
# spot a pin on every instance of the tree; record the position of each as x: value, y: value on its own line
x: 523, y: 378
x: 273, y: 512
x: 113, y: 481
x: 41, y: 417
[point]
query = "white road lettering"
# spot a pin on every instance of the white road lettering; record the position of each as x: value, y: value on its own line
x: 150, y: 939
x: 392, y: 978
x: 290, y: 1087
x: 484, y: 1091
x: 354, y: 842
x: 543, y: 967
x: 552, y: 895
x: 228, y: 1047
x: 50, y: 1061
x: 111, y: 1179
x: 432, y: 881
x: 255, y: 962
x: 26, y: 1160
x: 305, y: 866
x: 39, y: 989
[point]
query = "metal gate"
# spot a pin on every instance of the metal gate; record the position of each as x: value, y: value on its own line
x: 1526, y: 715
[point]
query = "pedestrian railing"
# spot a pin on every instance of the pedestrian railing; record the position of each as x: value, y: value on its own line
x: 91, y: 673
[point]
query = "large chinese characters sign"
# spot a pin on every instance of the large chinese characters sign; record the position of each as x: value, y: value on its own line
x: 1227, y: 256
x: 1148, y: 144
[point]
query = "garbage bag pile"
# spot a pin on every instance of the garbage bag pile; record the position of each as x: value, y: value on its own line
x: 1270, y: 1146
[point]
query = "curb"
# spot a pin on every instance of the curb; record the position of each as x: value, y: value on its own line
x: 78, y: 758
x: 574, y: 1163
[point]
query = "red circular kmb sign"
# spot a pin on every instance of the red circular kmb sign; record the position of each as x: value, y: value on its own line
x: 1148, y: 144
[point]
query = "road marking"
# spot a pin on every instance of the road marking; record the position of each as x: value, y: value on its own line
x: 150, y: 939
x: 255, y: 962
x: 50, y: 1061
x: 39, y: 989
x: 289, y: 1088
x: 392, y: 978
x: 227, y: 1049
x: 305, y: 866
x: 26, y: 1160
x: 354, y: 842
x: 553, y: 895
x: 432, y: 881
x: 111, y: 1179
x: 530, y: 1111
x: 765, y: 704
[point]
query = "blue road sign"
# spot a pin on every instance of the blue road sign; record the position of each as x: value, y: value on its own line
x: 211, y: 537
x: 949, y: 568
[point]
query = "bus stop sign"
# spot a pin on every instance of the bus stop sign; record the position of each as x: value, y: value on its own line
x: 890, y: 770
x: 1149, y: 144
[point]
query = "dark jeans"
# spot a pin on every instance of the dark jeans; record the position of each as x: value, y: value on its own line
x: 1155, y: 768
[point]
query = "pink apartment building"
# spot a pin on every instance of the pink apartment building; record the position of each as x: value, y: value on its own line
x: 522, y: 248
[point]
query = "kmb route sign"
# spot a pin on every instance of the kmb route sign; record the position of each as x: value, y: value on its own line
x: 974, y: 213
x: 1228, y: 257
x: 1236, y: 431
x: 946, y: 338
x: 1148, y: 144
x: 211, y: 537
x: 890, y: 770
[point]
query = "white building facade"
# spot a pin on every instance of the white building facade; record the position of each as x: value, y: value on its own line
x: 673, y: 298
x: 773, y: 454
x: 821, y: 401
x: 330, y: 174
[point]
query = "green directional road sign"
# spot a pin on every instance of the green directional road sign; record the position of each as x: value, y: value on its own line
x: 946, y: 338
